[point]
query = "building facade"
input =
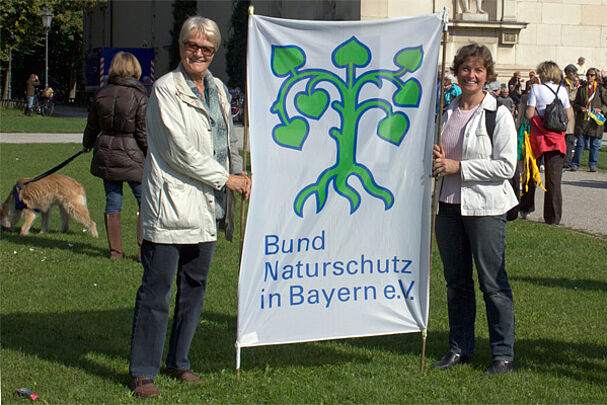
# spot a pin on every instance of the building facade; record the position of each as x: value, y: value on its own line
x: 519, y: 33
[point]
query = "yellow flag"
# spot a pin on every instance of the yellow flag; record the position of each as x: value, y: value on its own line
x: 531, y: 171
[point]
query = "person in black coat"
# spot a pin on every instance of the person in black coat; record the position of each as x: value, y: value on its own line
x: 116, y: 132
x: 591, y: 97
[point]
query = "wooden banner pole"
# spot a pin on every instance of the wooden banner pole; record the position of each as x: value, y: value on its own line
x: 243, y: 206
x: 445, y: 18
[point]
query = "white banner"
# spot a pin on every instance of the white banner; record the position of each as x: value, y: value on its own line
x: 337, y: 240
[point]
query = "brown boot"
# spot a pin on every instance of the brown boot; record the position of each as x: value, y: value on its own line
x: 139, y: 237
x: 114, y: 236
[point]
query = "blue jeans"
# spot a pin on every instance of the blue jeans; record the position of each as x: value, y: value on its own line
x: 30, y: 101
x: 593, y: 155
x: 482, y: 238
x: 151, y: 318
x: 113, y: 195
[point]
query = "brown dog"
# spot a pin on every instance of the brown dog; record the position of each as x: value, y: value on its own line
x: 42, y: 194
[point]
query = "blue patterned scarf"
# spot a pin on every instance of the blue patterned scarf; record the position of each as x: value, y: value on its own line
x: 219, y: 130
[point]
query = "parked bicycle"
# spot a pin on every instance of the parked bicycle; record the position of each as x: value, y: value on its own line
x: 43, y: 102
x: 237, y: 105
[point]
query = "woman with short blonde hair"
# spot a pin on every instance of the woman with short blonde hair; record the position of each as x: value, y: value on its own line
x: 125, y: 64
x: 189, y: 178
x: 204, y: 26
x: 546, y: 142
x: 116, y: 133
x: 549, y: 72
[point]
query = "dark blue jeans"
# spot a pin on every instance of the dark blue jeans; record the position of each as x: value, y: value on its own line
x: 593, y: 154
x: 150, y: 321
x: 461, y: 239
x: 113, y: 195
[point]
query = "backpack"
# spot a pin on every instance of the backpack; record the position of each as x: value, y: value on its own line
x: 555, y: 116
x: 515, y: 181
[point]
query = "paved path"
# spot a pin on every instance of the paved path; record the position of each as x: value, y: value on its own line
x: 68, y: 138
x: 584, y: 193
x: 584, y: 201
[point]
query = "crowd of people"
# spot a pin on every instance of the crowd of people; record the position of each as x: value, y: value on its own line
x: 583, y: 93
x: 177, y: 151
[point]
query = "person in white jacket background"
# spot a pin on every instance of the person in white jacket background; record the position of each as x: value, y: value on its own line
x: 474, y: 196
x: 190, y: 170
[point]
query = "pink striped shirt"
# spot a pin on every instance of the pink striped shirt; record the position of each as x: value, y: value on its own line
x: 452, y: 140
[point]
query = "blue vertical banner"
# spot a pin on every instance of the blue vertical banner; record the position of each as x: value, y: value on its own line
x: 337, y: 239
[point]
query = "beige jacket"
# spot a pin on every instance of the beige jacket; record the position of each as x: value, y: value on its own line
x: 180, y: 173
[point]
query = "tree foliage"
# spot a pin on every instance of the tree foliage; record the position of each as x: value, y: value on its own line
x: 236, y: 55
x: 21, y: 28
x: 182, y: 9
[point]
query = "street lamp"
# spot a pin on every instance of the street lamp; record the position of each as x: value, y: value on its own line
x: 47, y: 17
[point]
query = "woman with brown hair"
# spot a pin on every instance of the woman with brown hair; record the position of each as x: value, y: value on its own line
x: 474, y: 193
x: 116, y: 132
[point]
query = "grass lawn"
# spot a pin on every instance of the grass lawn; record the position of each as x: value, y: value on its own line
x: 602, y: 165
x: 66, y: 314
x: 13, y: 120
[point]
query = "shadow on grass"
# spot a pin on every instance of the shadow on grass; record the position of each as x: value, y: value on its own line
x: 213, y: 350
x: 75, y: 339
x: 588, y: 285
x: 43, y: 241
x: 98, y: 342
x: 581, y: 361
x: 408, y: 343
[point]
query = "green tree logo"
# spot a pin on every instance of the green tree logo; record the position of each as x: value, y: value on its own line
x: 312, y: 103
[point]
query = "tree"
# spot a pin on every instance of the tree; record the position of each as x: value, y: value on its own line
x: 182, y: 9
x: 291, y: 132
x: 22, y: 19
x: 236, y: 55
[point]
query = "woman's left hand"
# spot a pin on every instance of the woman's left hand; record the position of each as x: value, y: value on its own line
x: 441, y: 166
x: 240, y: 183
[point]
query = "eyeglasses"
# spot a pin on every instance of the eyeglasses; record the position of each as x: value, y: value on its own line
x: 590, y: 75
x: 194, y: 48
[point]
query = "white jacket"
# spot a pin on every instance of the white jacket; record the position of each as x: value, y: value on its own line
x: 486, y: 169
x: 180, y: 173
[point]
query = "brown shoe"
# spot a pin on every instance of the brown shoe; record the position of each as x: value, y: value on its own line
x: 143, y: 387
x: 183, y: 375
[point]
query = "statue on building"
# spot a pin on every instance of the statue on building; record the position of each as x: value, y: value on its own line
x: 466, y: 6
x: 467, y: 13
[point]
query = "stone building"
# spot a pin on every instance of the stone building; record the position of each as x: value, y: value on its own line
x: 520, y: 33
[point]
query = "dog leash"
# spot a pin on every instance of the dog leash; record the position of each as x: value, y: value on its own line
x: 20, y: 205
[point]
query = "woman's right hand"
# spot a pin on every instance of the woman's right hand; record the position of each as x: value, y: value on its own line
x: 240, y: 183
x: 441, y: 166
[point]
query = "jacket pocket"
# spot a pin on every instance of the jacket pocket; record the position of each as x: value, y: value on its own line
x: 180, y: 206
x: 484, y: 147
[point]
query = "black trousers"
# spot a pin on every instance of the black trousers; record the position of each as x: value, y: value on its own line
x: 553, y: 199
x: 570, y: 141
